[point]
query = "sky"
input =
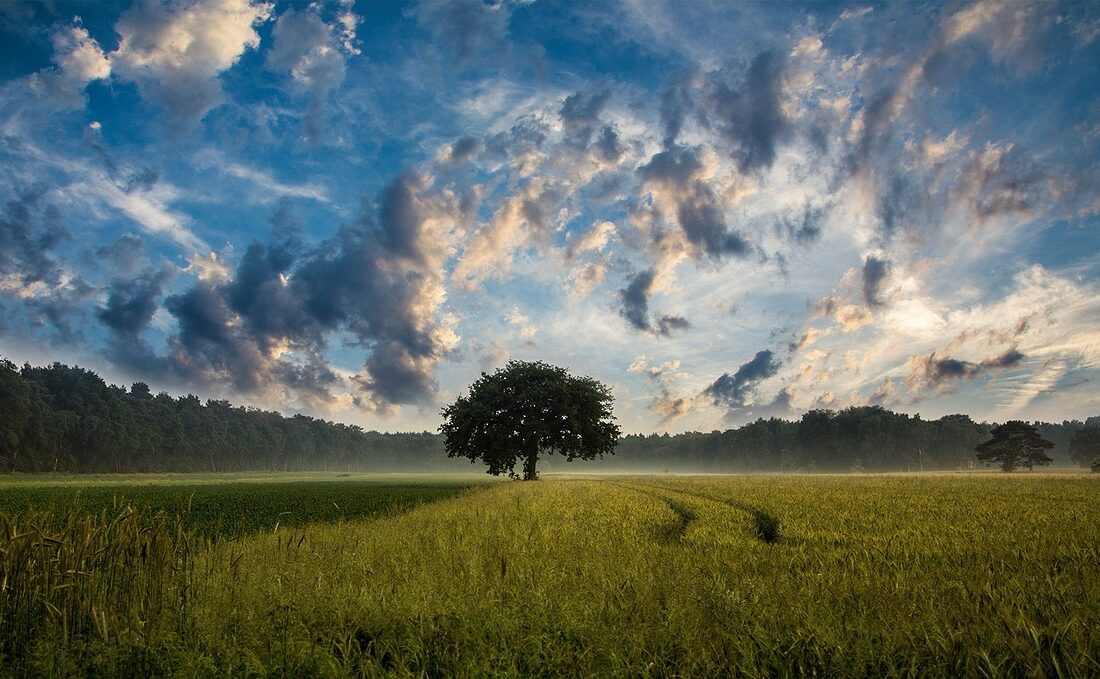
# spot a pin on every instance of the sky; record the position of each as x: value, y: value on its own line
x: 724, y: 211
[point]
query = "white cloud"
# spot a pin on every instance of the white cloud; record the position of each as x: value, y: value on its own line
x: 78, y: 61
x: 175, y: 52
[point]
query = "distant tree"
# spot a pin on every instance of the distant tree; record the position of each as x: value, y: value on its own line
x: 526, y: 409
x: 1084, y: 447
x: 1095, y: 466
x: 1015, y: 444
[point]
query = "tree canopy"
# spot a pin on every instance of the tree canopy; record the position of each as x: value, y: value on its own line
x: 1084, y: 448
x: 1015, y: 444
x: 527, y: 409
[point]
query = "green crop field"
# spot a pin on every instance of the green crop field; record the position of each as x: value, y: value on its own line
x: 232, y: 504
x: 931, y: 575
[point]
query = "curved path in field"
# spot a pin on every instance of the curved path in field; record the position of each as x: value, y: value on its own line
x: 765, y: 526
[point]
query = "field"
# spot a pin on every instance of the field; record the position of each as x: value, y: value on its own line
x: 931, y: 575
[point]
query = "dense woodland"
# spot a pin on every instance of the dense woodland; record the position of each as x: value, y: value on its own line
x: 67, y: 419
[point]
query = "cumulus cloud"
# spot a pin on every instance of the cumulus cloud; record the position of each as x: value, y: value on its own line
x: 175, y: 52
x: 132, y: 301
x: 314, y: 54
x: 264, y: 326
x: 677, y: 179
x: 595, y: 239
x: 78, y: 60
x: 522, y: 218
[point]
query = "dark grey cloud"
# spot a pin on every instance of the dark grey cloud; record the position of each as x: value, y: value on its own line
x: 29, y: 230
x: 463, y: 149
x: 698, y: 211
x: 132, y: 301
x: 580, y: 117
x: 938, y: 372
x: 634, y: 307
x: 875, y: 271
x: 369, y: 281
x: 749, y: 118
x: 209, y: 345
x: 733, y: 391
x: 676, y: 106
x: 635, y: 300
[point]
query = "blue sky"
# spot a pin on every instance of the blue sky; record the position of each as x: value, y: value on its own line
x: 724, y: 210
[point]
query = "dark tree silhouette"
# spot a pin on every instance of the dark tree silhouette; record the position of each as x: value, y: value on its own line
x: 527, y: 409
x: 1015, y: 444
x: 1084, y: 447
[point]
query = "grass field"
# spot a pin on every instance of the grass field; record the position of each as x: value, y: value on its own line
x: 232, y: 504
x: 937, y: 575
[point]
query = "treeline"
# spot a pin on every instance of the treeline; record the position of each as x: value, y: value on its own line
x: 870, y: 439
x: 67, y: 419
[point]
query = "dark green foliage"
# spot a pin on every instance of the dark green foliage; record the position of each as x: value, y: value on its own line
x: 232, y: 508
x: 527, y: 409
x: 1015, y: 444
x: 67, y: 419
x: 1084, y: 448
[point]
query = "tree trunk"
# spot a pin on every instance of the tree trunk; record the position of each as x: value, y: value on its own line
x: 529, y: 473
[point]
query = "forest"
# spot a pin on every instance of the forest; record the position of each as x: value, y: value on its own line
x: 60, y: 418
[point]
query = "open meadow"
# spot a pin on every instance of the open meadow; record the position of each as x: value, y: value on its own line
x: 869, y: 575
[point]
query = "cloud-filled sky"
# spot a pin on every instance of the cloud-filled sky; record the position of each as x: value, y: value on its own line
x: 724, y: 210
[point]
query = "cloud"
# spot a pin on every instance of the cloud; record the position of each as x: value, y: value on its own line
x: 676, y: 179
x: 749, y: 119
x: 268, y: 187
x: 634, y: 307
x: 461, y: 151
x: 132, y: 301
x: 998, y: 180
x: 521, y: 218
x: 586, y: 278
x: 467, y: 29
x: 805, y: 229
x: 522, y: 323
x: 78, y: 60
x: 314, y: 54
x: 593, y: 240
x: 937, y: 373
x: 126, y: 255
x: 734, y: 391
x: 875, y: 271
x: 29, y: 231
x: 580, y: 119
x: 175, y: 52
x: 378, y: 281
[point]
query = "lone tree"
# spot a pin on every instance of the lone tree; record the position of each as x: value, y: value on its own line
x: 1084, y: 447
x: 526, y: 409
x: 1015, y: 444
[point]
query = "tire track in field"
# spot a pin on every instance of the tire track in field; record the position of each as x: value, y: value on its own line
x: 765, y: 527
x: 670, y: 533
